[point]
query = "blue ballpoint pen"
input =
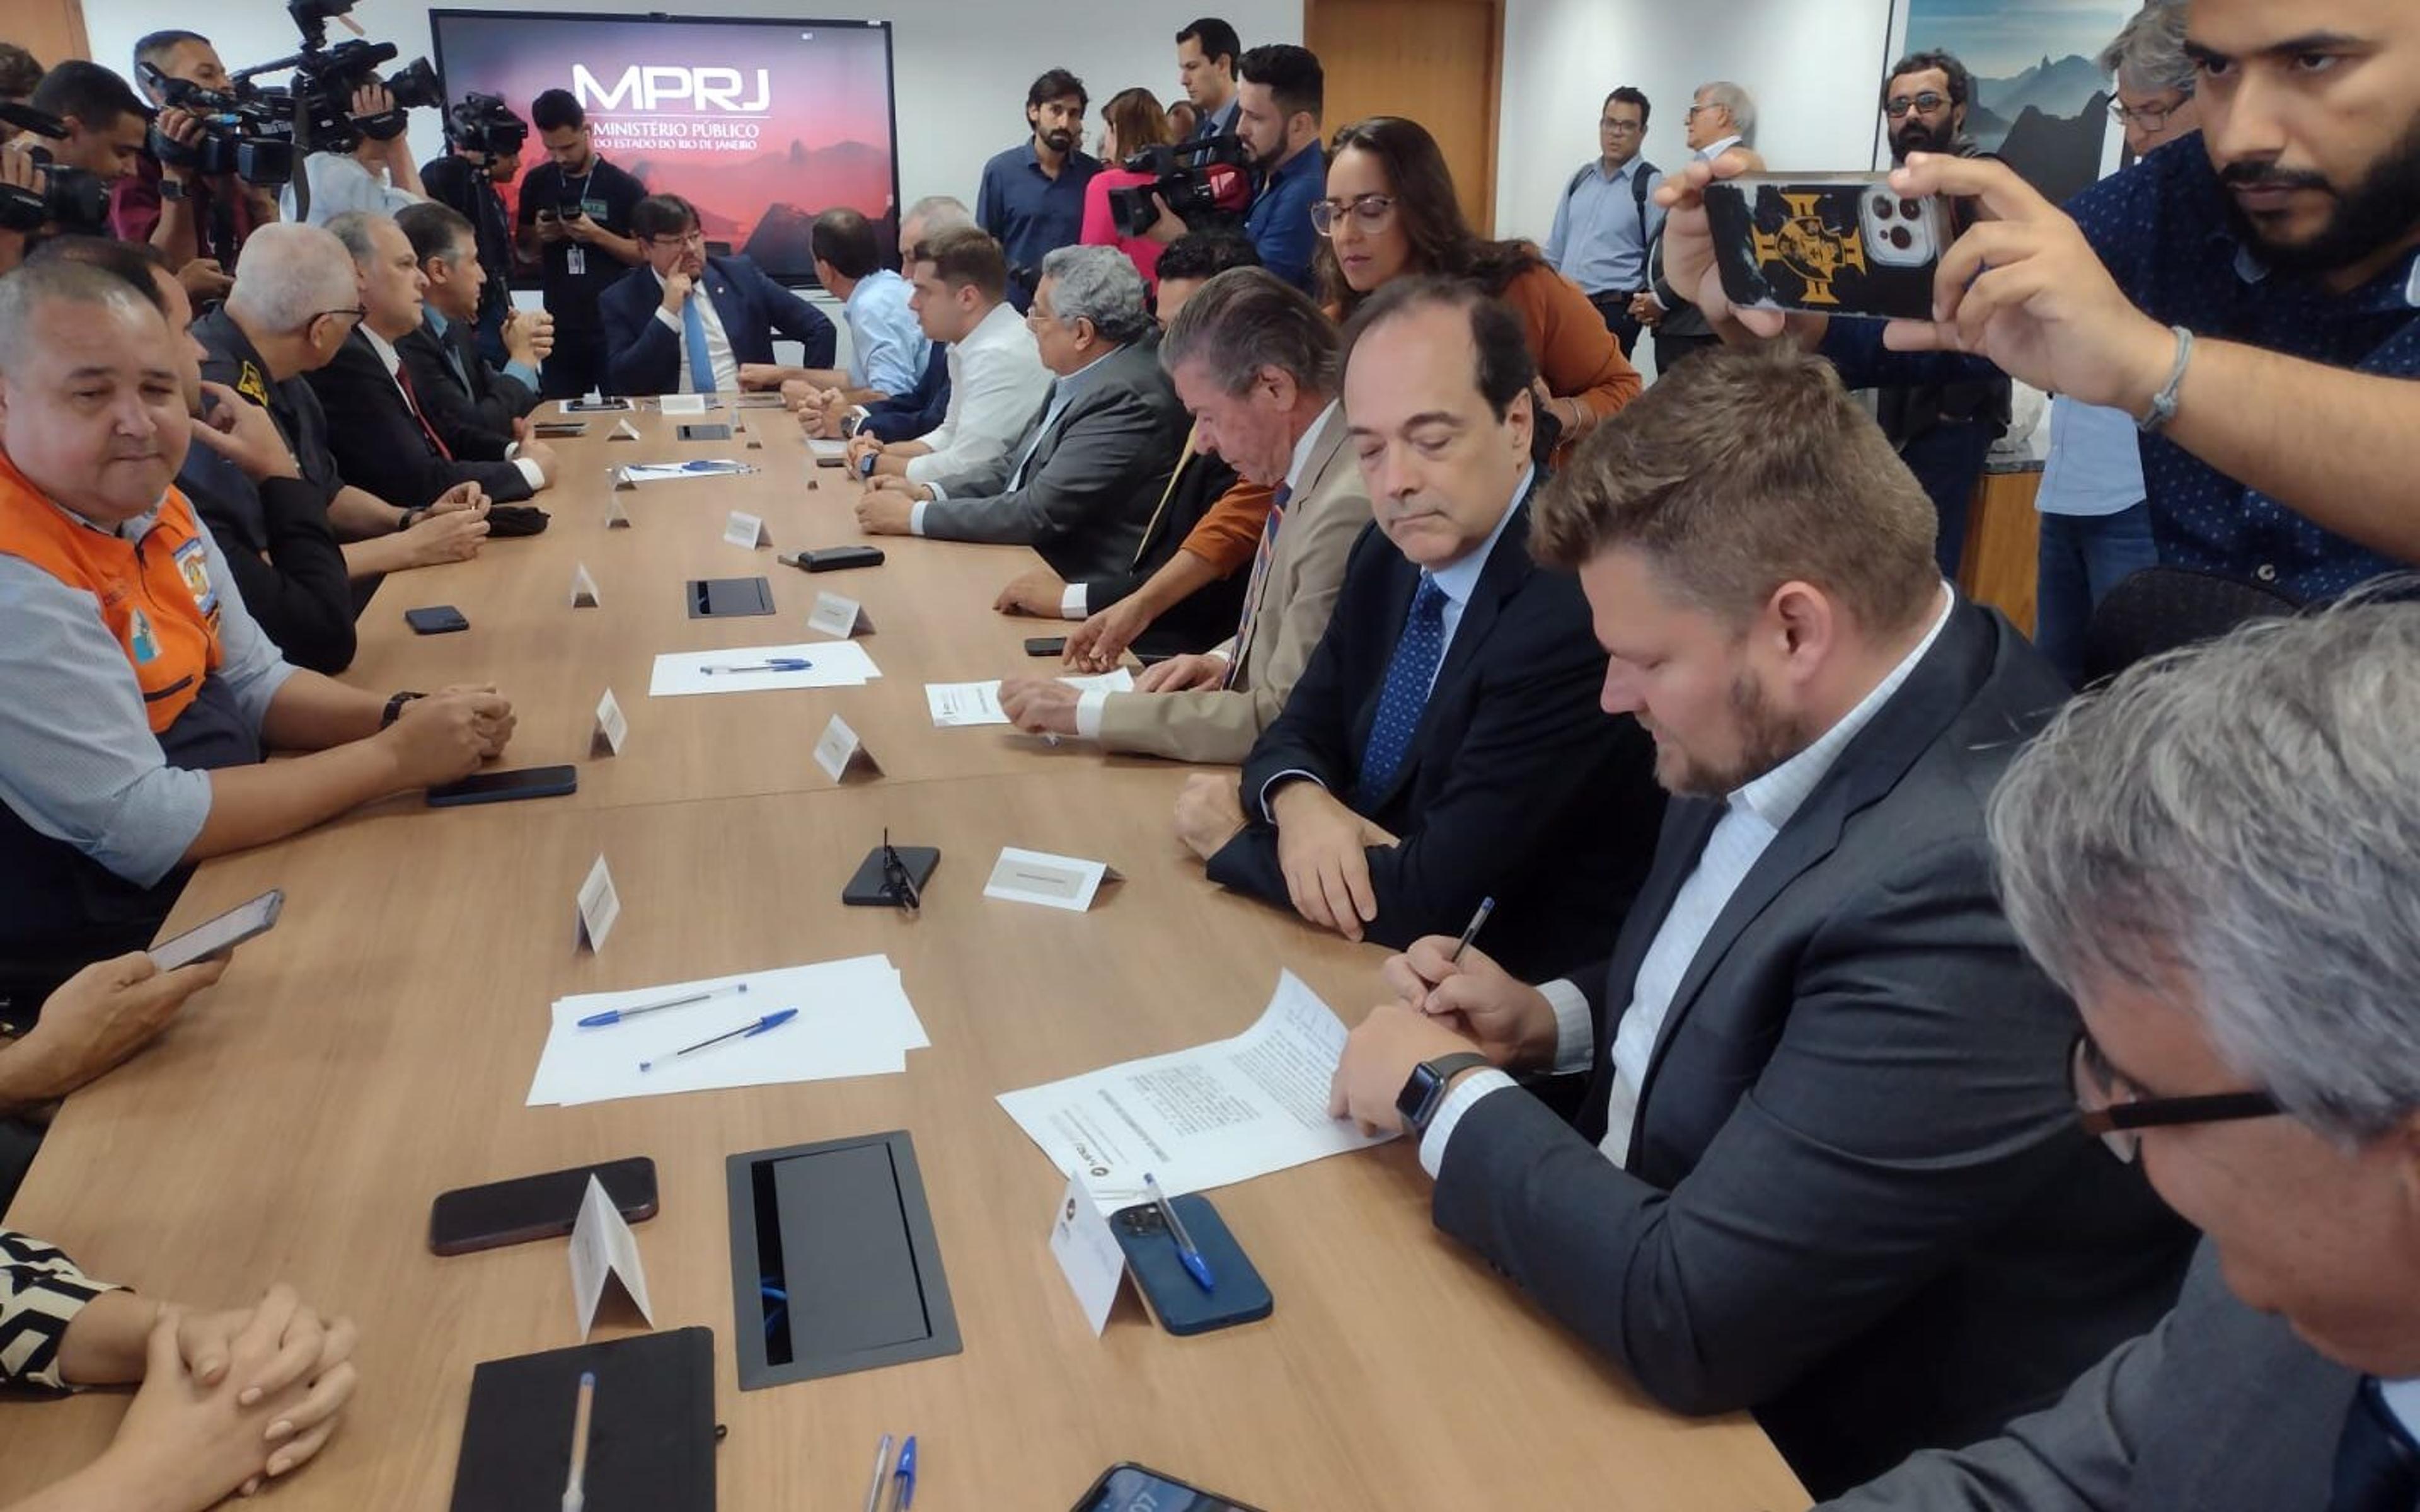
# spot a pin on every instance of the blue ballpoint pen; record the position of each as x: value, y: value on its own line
x: 1195, y: 1265
x: 745, y: 1031
x: 615, y: 1015
x: 777, y: 664
x: 903, y: 1480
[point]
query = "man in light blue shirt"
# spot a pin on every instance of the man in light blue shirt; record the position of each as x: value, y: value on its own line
x: 888, y: 349
x: 1609, y: 216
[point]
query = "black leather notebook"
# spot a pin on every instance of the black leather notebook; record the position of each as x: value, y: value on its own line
x: 650, y: 1443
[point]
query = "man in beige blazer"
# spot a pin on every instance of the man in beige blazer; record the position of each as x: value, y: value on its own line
x: 1257, y: 365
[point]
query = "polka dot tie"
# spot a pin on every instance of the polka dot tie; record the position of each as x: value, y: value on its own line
x: 1413, y: 668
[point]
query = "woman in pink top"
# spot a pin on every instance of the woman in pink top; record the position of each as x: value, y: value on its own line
x: 1131, y: 121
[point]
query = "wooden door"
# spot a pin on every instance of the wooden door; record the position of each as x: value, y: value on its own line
x: 1435, y: 61
x: 52, y: 30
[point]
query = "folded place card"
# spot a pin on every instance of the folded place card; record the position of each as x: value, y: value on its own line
x: 1087, y: 1253
x: 623, y: 431
x: 602, y: 1249
x: 1053, y: 881
x: 840, y: 616
x: 841, y: 754
x: 747, y: 530
x: 612, y: 728
x: 600, y: 906
x: 684, y: 403
x: 584, y: 588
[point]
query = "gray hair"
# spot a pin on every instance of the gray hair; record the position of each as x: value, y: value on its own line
x: 2243, y: 816
x: 290, y: 272
x: 1737, y: 102
x: 26, y: 292
x: 357, y: 230
x: 1246, y: 319
x: 2149, y: 52
x: 1100, y: 284
x: 938, y: 212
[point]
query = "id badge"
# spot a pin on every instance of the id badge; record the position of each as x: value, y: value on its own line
x: 576, y: 263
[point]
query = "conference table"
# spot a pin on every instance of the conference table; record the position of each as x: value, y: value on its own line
x: 376, y: 1048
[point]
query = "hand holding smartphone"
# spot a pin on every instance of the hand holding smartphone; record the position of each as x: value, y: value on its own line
x: 1835, y: 244
x: 222, y: 934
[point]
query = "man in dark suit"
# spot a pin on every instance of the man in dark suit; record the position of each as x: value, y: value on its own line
x: 1106, y: 442
x: 1444, y: 743
x: 662, y: 338
x: 381, y: 432
x: 1827, y: 1164
x: 473, y: 406
x: 2217, y: 856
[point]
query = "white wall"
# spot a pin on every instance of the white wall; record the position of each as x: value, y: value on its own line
x: 1814, y: 67
x: 961, y: 67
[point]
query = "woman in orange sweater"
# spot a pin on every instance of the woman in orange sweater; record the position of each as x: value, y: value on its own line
x: 1390, y: 212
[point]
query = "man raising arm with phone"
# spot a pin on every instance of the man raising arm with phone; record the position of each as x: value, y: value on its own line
x: 2282, y: 453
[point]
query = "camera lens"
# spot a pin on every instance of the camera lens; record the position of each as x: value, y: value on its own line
x: 1899, y: 238
x: 1910, y: 209
x: 1883, y: 205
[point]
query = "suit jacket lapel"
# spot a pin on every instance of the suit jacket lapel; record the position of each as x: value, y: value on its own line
x: 743, y: 333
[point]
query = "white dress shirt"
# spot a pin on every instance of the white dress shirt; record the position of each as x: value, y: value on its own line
x: 717, y: 340
x: 1754, y: 814
x: 339, y: 184
x: 997, y: 386
x: 394, y: 360
x: 2402, y: 1398
x: 1089, y: 707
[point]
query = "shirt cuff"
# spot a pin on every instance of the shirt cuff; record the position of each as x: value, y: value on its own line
x: 530, y: 474
x: 1089, y: 708
x: 1466, y: 1094
x: 939, y: 493
x: 1071, y: 603
x: 1575, y: 1025
x: 671, y: 324
x: 916, y: 519
x: 1270, y: 786
x: 524, y: 375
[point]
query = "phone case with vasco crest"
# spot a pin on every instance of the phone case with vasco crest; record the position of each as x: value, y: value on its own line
x: 1827, y: 245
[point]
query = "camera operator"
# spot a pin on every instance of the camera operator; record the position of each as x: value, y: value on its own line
x: 19, y: 71
x: 198, y: 219
x: 575, y: 218
x: 1277, y: 112
x: 485, y: 138
x: 374, y: 174
x: 105, y: 124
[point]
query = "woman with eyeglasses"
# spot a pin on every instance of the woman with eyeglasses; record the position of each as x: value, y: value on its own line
x: 1131, y: 121
x: 1390, y: 212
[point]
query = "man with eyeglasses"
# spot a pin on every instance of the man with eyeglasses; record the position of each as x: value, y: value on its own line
x: 2216, y: 856
x: 1721, y: 116
x: 684, y: 322
x: 1606, y: 219
x: 1943, y: 430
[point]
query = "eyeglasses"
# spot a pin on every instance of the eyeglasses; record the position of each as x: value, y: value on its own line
x: 1621, y: 128
x: 357, y: 314
x: 2111, y: 1111
x: 686, y: 239
x: 1691, y: 114
x: 2149, y: 118
x: 1371, y: 211
x: 1927, y: 102
x: 896, y: 880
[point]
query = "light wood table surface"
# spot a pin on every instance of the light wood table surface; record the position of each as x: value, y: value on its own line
x: 377, y: 1047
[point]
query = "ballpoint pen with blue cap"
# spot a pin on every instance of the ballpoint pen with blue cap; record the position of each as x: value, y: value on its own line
x: 903, y: 1479
x: 745, y: 1031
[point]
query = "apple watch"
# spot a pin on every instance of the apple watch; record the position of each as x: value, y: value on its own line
x: 1425, y: 1090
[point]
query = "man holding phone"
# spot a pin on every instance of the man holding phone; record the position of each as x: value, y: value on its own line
x: 137, y: 695
x: 575, y: 218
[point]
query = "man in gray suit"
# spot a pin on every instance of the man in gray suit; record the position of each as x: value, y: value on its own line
x: 2219, y: 856
x: 1827, y: 1164
x: 1081, y: 489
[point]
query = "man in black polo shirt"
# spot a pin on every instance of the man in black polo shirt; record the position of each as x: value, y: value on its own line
x: 484, y: 140
x: 585, y: 254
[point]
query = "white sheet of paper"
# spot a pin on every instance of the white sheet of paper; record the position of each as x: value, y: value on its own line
x: 600, y: 906
x: 821, y: 447
x: 969, y: 703
x: 839, y: 749
x: 839, y: 616
x: 684, y: 403
x: 1087, y: 1253
x: 584, y: 589
x: 829, y: 664
x: 854, y: 1020
x: 746, y: 529
x: 1053, y: 881
x: 1203, y: 1117
x: 602, y: 1245
x: 613, y: 728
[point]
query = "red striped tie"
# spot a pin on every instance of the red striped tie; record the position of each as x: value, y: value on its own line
x: 411, y: 402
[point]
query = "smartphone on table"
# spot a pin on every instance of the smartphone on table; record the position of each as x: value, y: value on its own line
x: 474, y: 1218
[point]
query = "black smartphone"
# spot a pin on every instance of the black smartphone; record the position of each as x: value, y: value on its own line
x: 225, y: 933
x: 831, y: 461
x: 505, y: 787
x: 1132, y: 1488
x: 1841, y: 243
x: 591, y: 407
x: 869, y: 885
x: 838, y: 558
x: 437, y: 619
x: 474, y: 1218
x: 1180, y: 1302
x: 1046, y: 645
x: 705, y: 432
x: 558, y: 429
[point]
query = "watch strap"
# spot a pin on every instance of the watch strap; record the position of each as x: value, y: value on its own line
x: 395, y: 708
x: 1434, y: 1078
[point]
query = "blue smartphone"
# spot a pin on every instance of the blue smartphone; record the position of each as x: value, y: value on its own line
x: 1237, y: 1293
x: 504, y: 787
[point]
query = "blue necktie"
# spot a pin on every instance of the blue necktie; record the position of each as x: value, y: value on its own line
x: 1409, y: 673
x: 2376, y: 1467
x: 701, y: 365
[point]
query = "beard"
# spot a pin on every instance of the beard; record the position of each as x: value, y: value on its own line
x: 1059, y: 141
x: 1767, y: 739
x: 2372, y: 215
x: 1918, y: 137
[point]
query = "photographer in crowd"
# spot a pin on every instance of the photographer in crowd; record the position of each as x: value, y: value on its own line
x: 373, y: 172
x: 483, y: 138
x: 199, y: 219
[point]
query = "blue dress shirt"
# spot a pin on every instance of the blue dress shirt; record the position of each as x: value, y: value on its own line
x: 1598, y: 242
x: 1031, y: 214
x: 887, y: 347
x: 1279, y: 220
